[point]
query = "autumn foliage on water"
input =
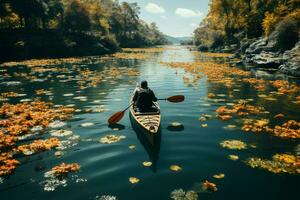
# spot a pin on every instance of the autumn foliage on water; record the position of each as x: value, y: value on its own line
x: 223, y: 73
x: 18, y: 121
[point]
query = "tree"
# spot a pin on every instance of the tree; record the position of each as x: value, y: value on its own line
x: 77, y: 17
x: 235, y: 18
x: 30, y: 11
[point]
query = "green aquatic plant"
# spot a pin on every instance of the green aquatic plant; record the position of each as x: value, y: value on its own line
x: 180, y: 194
x: 106, y: 197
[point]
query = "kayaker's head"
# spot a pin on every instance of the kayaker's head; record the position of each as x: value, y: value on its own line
x: 144, y: 84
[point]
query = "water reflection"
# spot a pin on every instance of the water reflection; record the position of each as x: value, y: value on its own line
x: 152, y: 147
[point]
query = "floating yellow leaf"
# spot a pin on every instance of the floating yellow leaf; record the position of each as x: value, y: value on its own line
x: 204, y: 125
x: 134, y: 180
x: 219, y: 176
x: 230, y: 127
x: 87, y: 124
x: 175, y: 124
x: 147, y: 163
x: 270, y: 99
x: 210, y: 186
x: 233, y: 157
x: 261, y: 123
x: 233, y: 144
x: 7, y: 164
x: 290, y: 129
x: 286, y: 158
x: 280, y: 163
x: 175, y: 168
x: 109, y: 139
x: 38, y: 146
x: 279, y: 116
x: 132, y: 147
x: 58, y: 153
x: 211, y: 95
x: 64, y: 169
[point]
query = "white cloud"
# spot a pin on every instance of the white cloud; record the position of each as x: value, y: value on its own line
x: 164, y: 17
x: 154, y: 8
x: 193, y: 25
x: 187, y: 13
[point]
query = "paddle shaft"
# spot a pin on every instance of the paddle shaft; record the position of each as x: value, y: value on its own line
x: 128, y: 107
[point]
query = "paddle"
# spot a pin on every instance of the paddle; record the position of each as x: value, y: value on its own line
x: 115, y: 118
x: 174, y: 99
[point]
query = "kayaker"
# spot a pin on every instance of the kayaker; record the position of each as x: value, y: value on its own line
x: 144, y: 98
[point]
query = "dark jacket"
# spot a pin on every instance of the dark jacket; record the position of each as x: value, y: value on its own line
x: 144, y: 99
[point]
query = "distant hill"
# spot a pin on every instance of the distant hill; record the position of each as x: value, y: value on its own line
x: 177, y: 40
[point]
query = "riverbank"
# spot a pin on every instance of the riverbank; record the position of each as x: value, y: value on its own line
x: 264, y: 35
x: 261, y: 53
x: 23, y: 44
x: 46, y: 29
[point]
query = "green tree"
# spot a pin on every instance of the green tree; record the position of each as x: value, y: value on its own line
x: 77, y: 17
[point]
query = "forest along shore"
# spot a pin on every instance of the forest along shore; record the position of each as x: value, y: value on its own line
x: 63, y: 28
x: 265, y: 34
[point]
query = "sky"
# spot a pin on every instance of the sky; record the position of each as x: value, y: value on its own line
x: 177, y: 18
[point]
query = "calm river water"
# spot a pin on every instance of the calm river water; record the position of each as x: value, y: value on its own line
x: 106, y: 168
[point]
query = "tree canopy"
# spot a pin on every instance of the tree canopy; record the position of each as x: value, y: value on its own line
x: 230, y: 20
x: 109, y: 19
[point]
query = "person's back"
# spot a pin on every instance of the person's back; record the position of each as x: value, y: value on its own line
x: 144, y: 98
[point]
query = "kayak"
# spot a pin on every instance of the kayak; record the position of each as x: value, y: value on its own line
x: 148, y: 122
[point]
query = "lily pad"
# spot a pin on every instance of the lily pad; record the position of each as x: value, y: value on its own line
x: 180, y: 194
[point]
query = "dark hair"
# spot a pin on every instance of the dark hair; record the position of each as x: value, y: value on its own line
x: 144, y: 84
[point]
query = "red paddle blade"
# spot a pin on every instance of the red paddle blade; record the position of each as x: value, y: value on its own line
x: 176, y: 99
x: 116, y: 117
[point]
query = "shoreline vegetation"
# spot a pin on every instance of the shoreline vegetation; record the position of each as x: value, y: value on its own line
x: 263, y: 33
x: 63, y: 28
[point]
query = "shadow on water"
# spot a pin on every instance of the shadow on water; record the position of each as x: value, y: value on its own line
x: 116, y: 126
x: 175, y: 128
x: 152, y: 148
